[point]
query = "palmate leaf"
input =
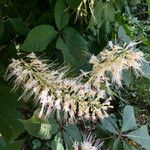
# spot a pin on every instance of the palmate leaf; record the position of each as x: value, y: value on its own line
x: 129, y: 121
x: 73, y: 46
x: 61, y: 14
x: 73, y: 131
x: 110, y: 125
x: 140, y: 136
x: 39, y: 128
x: 39, y: 38
x: 68, y: 141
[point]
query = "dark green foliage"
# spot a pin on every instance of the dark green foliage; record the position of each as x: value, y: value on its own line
x: 128, y: 130
x: 39, y: 38
x: 10, y: 124
x: 70, y: 32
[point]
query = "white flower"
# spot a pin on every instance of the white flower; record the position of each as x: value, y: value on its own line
x: 43, y: 100
x: 111, y: 63
x: 57, y: 104
x: 94, y: 60
x: 101, y: 94
x: 89, y: 143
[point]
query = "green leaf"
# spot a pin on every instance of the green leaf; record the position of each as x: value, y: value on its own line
x: 109, y: 125
x: 68, y: 141
x: 61, y: 14
x: 74, y: 47
x: 140, y: 136
x: 39, y: 38
x: 117, y: 145
x: 57, y: 143
x: 2, y: 28
x: 10, y: 126
x: 66, y: 52
x: 109, y: 11
x: 39, y: 128
x: 102, y: 132
x: 73, y: 131
x: 129, y: 122
x: 19, y: 26
x: 128, y: 77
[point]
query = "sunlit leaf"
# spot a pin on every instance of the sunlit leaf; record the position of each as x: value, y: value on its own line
x: 39, y: 128
x: 39, y: 38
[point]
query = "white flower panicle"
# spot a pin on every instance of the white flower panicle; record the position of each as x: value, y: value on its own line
x: 54, y: 92
x: 89, y: 143
x: 112, y: 61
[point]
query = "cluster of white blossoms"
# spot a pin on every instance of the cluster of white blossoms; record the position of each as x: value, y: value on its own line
x: 55, y: 92
x: 89, y: 143
x: 111, y: 62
